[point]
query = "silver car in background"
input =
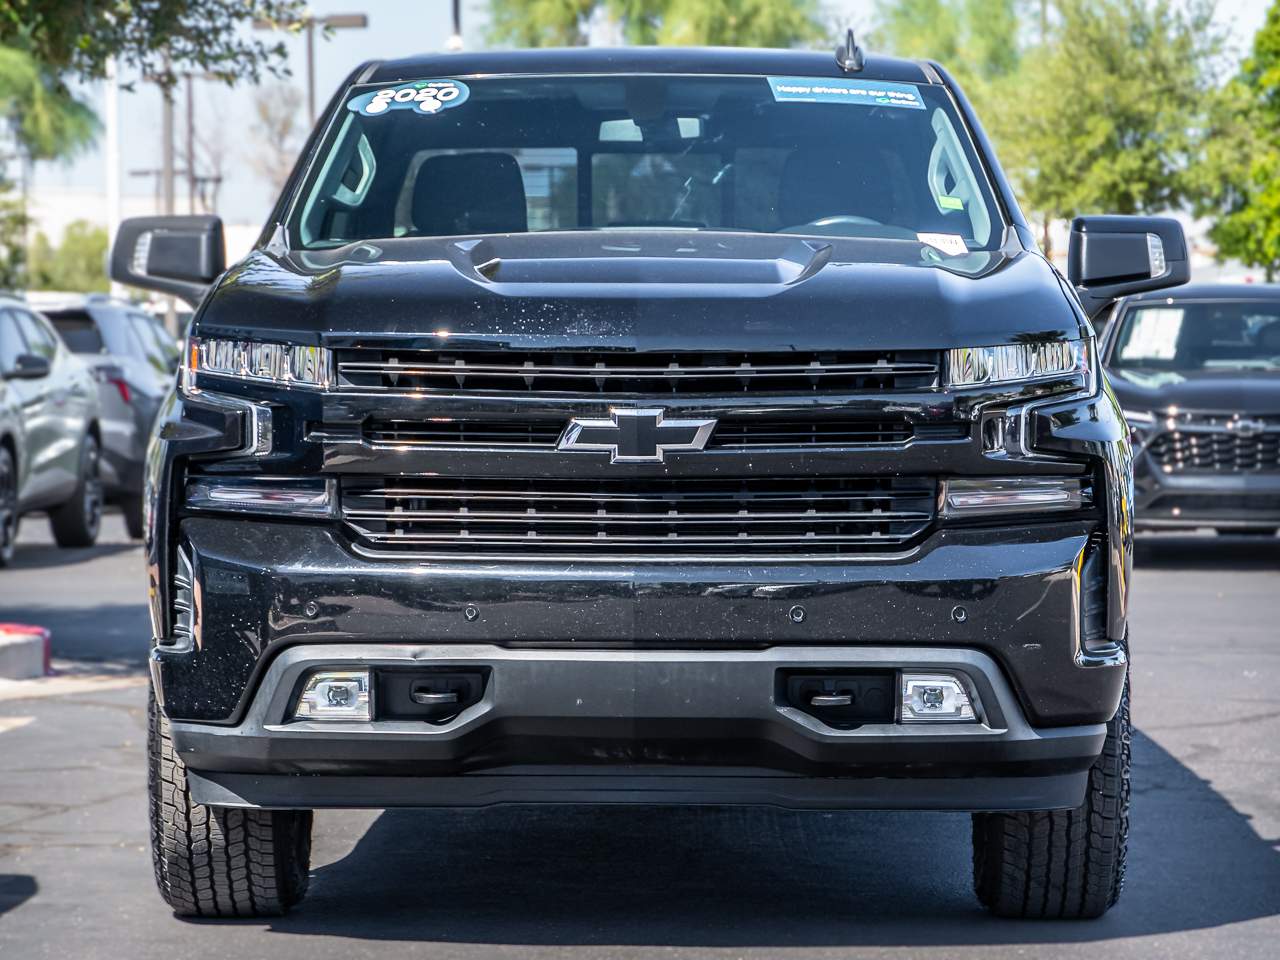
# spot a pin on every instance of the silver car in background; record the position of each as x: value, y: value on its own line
x: 134, y: 361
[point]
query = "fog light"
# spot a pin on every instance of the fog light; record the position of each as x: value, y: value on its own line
x: 299, y: 498
x: 1013, y: 495
x: 935, y: 697
x: 335, y: 695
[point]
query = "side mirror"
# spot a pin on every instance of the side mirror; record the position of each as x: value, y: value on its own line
x: 181, y: 256
x: 28, y: 366
x: 1113, y: 257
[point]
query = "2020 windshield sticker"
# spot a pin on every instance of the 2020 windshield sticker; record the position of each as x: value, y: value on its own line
x: 869, y: 93
x: 420, y: 96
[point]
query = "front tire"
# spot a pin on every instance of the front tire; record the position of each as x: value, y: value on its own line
x: 8, y: 507
x: 76, y: 522
x: 216, y: 861
x: 1061, y: 864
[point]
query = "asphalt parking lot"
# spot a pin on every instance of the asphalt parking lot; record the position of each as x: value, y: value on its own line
x: 1204, y: 875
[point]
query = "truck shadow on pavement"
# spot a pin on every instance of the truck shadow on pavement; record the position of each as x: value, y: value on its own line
x: 738, y: 877
x: 15, y: 890
x: 1231, y: 552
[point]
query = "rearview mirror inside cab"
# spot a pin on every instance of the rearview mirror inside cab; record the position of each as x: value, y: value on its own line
x: 181, y: 256
x: 1112, y: 257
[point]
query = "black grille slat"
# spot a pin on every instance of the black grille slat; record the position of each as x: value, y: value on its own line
x: 649, y: 374
x: 729, y: 434
x: 648, y: 517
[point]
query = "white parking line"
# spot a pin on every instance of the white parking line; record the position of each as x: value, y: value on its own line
x: 63, y: 686
x: 13, y: 723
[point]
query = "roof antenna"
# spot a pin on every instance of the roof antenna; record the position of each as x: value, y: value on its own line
x: 849, y: 57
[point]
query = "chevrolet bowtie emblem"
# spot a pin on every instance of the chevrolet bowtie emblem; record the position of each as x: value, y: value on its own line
x: 635, y: 436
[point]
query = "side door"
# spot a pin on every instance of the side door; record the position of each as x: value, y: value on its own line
x: 63, y: 408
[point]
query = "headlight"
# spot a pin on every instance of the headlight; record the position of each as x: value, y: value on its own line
x: 286, y: 364
x: 1013, y: 363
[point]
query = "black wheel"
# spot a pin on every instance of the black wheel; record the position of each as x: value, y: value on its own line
x: 219, y: 862
x: 8, y: 506
x: 131, y: 507
x: 76, y: 522
x: 1061, y: 864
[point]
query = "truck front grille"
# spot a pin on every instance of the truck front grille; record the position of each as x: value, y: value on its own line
x: 610, y: 519
x: 632, y: 374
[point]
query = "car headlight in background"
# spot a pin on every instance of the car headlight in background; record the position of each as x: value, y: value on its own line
x: 289, y: 365
x: 1014, y: 363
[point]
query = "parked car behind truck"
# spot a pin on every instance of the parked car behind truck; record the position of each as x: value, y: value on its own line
x: 1198, y: 374
x: 50, y: 433
x: 134, y: 361
x: 643, y: 426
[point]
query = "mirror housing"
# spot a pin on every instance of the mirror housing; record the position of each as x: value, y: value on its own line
x: 181, y: 256
x: 28, y: 366
x: 1113, y: 257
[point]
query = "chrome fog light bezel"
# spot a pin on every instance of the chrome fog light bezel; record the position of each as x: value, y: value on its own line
x: 315, y: 701
x: 956, y: 703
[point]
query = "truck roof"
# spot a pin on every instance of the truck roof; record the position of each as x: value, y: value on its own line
x: 676, y: 60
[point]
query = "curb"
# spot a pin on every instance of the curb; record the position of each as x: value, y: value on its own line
x: 24, y: 651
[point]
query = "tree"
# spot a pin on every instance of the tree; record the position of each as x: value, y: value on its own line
x: 13, y: 234
x: 1108, y: 112
x: 47, y: 121
x: 158, y: 38
x: 278, y: 131
x: 1095, y: 105
x: 1241, y: 164
x: 743, y: 23
x: 77, y: 265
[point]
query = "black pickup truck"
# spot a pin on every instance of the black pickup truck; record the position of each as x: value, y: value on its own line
x: 662, y: 426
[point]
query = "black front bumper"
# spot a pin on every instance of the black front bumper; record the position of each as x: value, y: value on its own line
x: 642, y: 726
x: 1013, y: 593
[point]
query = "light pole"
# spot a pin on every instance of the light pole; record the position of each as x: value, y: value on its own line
x: 308, y: 23
x: 455, y: 40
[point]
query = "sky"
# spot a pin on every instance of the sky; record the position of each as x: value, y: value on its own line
x: 396, y: 28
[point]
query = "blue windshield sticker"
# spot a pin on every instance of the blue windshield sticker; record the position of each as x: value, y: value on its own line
x: 871, y: 93
x: 420, y: 96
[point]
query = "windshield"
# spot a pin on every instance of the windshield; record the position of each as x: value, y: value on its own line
x: 450, y: 157
x: 1221, y: 335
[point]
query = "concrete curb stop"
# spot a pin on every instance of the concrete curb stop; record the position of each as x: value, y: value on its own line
x: 24, y: 651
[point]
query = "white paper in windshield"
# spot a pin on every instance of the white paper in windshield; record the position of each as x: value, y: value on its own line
x: 949, y: 243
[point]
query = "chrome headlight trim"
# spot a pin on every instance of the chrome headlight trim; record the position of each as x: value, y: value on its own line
x: 282, y: 364
x: 1015, y: 363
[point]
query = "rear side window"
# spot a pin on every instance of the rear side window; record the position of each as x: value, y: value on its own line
x: 40, y: 339
x: 158, y: 348
x: 78, y: 331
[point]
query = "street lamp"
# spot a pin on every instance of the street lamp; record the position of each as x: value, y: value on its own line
x: 309, y: 22
x: 454, y: 42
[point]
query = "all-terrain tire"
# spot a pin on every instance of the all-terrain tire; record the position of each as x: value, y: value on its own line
x: 215, y: 861
x: 1061, y: 864
x: 76, y: 522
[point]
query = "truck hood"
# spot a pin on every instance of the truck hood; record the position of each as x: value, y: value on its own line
x: 1215, y: 391
x: 642, y: 291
